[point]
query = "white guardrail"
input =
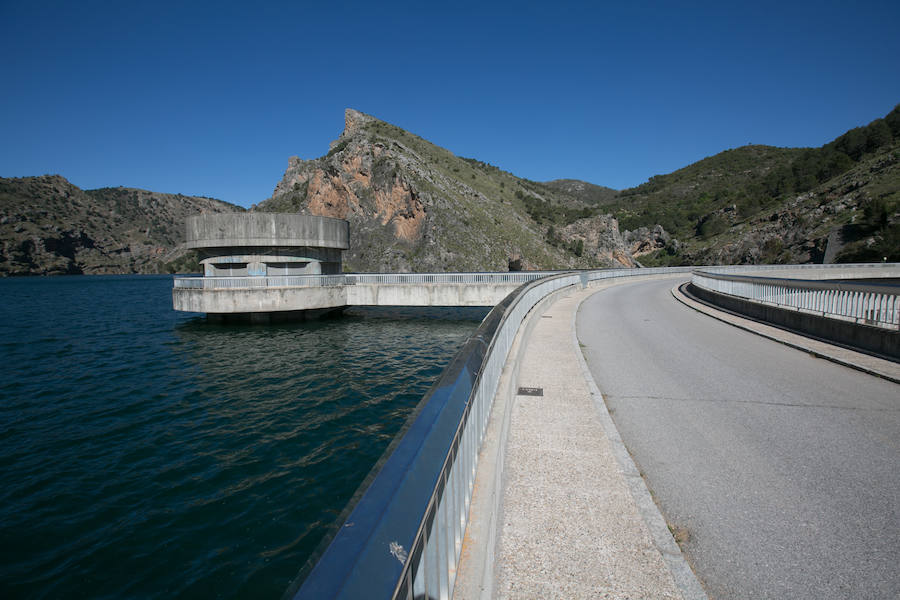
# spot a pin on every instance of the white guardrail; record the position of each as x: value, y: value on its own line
x: 230, y: 283
x: 866, y: 303
x: 217, y: 283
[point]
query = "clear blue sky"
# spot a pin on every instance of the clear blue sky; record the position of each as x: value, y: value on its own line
x: 212, y: 98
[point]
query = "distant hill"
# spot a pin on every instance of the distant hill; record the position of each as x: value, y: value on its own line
x: 49, y: 227
x: 588, y: 193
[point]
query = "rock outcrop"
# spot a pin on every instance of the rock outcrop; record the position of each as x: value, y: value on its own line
x: 645, y: 240
x: 413, y: 206
x: 598, y: 239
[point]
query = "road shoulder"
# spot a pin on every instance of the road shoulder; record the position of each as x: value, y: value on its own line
x: 843, y: 356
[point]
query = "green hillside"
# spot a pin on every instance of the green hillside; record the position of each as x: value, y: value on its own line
x: 717, y: 203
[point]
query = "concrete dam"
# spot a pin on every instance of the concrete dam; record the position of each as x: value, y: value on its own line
x: 515, y: 477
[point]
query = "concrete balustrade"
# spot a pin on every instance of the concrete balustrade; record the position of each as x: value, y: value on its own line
x: 250, y: 295
x: 867, y: 303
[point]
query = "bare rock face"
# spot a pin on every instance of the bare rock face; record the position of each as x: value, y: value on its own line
x: 413, y: 206
x: 600, y: 241
x: 354, y: 121
x: 359, y: 181
x: 783, y: 237
x: 645, y: 240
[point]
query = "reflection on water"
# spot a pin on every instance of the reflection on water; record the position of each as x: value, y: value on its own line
x: 149, y: 453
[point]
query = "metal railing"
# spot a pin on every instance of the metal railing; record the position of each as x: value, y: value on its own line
x: 866, y: 303
x: 419, y: 278
x: 403, y: 536
x: 280, y: 281
x: 209, y: 283
x: 215, y: 283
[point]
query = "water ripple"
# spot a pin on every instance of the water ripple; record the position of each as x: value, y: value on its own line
x: 147, y: 453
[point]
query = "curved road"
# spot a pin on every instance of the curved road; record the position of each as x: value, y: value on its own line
x: 783, y: 470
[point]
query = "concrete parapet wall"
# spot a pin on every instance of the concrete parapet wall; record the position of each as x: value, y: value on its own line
x: 862, y: 337
x: 428, y: 294
x: 231, y: 301
x: 266, y: 230
x: 273, y: 299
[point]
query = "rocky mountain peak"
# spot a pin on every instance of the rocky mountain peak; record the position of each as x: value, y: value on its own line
x: 413, y: 206
x: 354, y: 121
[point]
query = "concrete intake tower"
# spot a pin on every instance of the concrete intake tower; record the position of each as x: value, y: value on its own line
x: 267, y: 244
x: 285, y: 266
x: 250, y: 259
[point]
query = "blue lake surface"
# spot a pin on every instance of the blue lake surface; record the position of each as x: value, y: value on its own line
x: 146, y: 453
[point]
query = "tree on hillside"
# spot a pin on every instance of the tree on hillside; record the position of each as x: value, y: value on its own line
x: 893, y: 121
x: 878, y: 134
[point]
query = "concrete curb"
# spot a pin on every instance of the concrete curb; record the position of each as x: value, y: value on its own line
x: 685, y: 579
x: 476, y: 578
x: 756, y: 327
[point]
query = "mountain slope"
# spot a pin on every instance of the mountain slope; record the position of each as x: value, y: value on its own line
x: 49, y: 226
x: 852, y: 217
x: 414, y: 206
x: 763, y: 204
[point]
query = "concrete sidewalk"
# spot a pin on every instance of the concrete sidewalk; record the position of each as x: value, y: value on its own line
x: 575, y: 511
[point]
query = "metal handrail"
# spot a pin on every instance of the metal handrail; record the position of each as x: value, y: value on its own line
x: 420, y: 278
x: 867, y: 303
x: 248, y: 282
x: 278, y: 281
x: 240, y: 282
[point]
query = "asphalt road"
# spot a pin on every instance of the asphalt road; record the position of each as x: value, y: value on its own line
x: 782, y: 469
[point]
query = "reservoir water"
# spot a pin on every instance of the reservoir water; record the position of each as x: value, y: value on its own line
x: 146, y: 453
